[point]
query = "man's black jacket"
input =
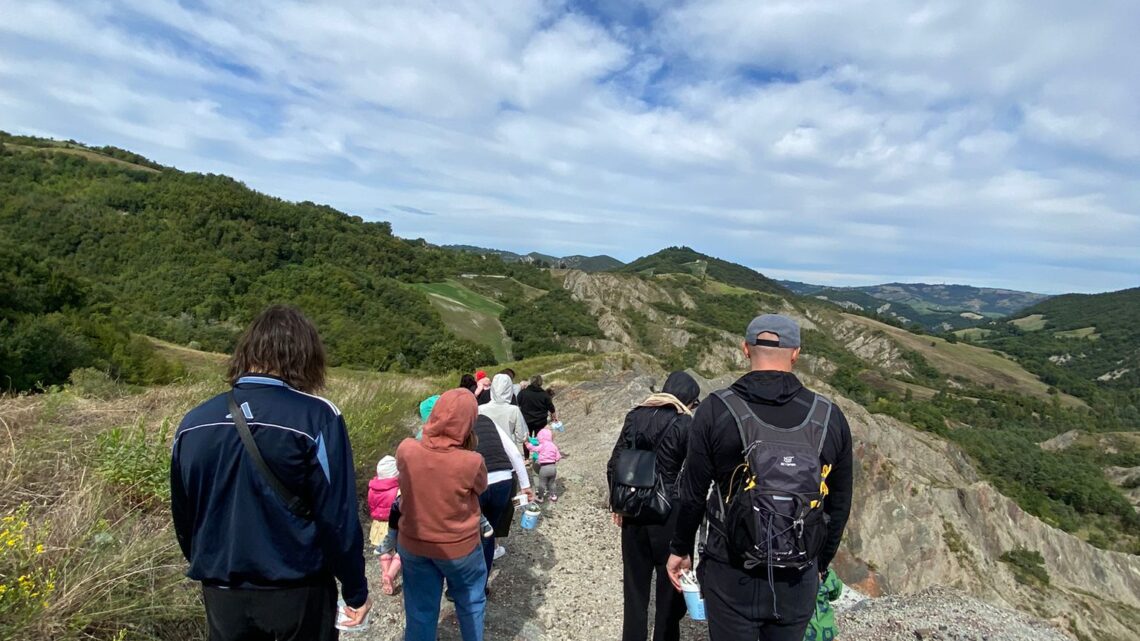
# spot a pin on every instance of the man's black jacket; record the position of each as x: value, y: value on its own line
x: 715, y: 450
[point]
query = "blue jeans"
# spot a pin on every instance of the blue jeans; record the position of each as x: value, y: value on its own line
x: 494, y: 501
x: 423, y: 588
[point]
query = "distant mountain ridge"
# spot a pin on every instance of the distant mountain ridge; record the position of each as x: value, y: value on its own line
x: 599, y: 263
x: 935, y: 307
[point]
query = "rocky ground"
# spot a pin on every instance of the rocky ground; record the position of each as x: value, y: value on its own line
x: 562, y: 581
x: 939, y: 614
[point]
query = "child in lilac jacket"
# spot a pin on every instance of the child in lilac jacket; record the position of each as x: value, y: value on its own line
x: 546, y: 456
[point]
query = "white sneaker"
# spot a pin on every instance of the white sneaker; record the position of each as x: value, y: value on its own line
x: 500, y: 551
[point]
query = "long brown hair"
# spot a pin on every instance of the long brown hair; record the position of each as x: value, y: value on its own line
x: 281, y: 341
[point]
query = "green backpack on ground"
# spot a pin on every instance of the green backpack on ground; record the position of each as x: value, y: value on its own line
x: 822, y: 624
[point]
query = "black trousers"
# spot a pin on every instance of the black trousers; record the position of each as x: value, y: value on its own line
x: 287, y: 614
x: 535, y: 428
x: 645, y: 548
x: 745, y: 606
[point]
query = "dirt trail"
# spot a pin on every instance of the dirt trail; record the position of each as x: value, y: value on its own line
x: 562, y: 580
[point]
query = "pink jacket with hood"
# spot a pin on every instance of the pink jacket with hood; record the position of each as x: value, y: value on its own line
x: 383, y: 489
x: 547, y: 451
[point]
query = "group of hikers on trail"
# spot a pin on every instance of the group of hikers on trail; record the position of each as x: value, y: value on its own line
x: 264, y: 500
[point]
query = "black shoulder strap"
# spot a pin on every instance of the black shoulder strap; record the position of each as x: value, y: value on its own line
x: 739, y: 411
x: 293, y: 503
x: 821, y: 415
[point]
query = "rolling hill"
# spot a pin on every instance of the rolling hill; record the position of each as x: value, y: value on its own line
x: 683, y: 260
x: 1081, y: 343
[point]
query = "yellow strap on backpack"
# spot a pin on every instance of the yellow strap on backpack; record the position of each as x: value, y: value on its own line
x: 822, y: 486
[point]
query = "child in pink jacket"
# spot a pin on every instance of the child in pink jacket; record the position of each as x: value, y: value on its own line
x: 382, y: 493
x: 546, y: 456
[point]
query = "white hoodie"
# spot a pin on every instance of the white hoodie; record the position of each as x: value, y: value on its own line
x: 508, y: 420
x: 507, y: 417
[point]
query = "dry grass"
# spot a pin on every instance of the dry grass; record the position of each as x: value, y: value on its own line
x: 106, y: 532
x: 60, y: 148
x: 983, y: 366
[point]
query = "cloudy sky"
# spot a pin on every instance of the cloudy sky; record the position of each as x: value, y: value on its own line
x: 836, y: 141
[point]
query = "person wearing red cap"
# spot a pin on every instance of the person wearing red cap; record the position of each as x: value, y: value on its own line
x: 482, y: 387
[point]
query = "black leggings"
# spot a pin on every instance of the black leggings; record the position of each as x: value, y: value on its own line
x: 535, y: 428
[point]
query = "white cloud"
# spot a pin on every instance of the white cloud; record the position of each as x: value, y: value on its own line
x: 992, y: 143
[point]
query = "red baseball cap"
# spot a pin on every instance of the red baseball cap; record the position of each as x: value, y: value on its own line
x: 480, y: 375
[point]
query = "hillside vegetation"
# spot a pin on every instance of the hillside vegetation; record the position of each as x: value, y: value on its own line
x: 1084, y: 344
x: 97, y: 247
x: 683, y: 260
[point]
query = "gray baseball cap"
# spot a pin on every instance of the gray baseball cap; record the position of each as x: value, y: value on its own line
x: 782, y: 326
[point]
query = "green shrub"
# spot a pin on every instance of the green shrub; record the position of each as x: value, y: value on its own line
x: 89, y: 382
x: 1028, y: 566
x: 458, y: 355
x: 136, y: 463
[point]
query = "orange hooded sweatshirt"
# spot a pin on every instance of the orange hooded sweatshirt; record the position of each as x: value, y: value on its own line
x: 440, y: 482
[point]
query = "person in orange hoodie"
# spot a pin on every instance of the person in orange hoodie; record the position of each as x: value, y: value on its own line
x: 441, y: 478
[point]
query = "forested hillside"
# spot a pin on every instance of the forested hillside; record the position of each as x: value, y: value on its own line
x: 98, y: 246
x: 683, y: 260
x: 1084, y: 344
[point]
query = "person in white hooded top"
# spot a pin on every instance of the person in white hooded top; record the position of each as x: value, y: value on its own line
x: 511, y: 426
x: 507, y: 417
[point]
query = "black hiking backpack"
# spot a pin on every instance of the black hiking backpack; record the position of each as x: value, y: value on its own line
x: 773, y: 515
x: 638, y: 492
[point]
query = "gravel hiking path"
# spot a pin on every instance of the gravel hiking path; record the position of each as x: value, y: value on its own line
x: 563, y: 580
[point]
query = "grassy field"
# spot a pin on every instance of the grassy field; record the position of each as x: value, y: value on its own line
x: 973, y: 333
x: 1084, y: 332
x: 983, y: 366
x: 84, y: 492
x: 1030, y: 323
x: 499, y: 287
x: 470, y: 315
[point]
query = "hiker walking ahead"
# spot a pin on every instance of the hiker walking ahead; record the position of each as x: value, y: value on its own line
x: 441, y: 478
x: 537, y: 406
x: 778, y: 510
x: 507, y: 417
x: 266, y: 541
x: 659, y: 424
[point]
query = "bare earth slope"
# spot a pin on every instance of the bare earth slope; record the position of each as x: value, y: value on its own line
x: 563, y: 580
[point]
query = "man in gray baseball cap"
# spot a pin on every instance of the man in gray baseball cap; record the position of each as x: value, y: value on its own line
x: 761, y: 581
x: 787, y: 332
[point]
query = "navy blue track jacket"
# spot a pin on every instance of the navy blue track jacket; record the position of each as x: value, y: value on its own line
x: 233, y: 528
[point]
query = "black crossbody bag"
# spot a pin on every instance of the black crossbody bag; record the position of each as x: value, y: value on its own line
x: 293, y: 503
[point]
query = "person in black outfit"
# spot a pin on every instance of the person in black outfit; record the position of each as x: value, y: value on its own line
x: 660, y: 423
x: 268, y: 571
x: 751, y: 604
x: 537, y: 406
